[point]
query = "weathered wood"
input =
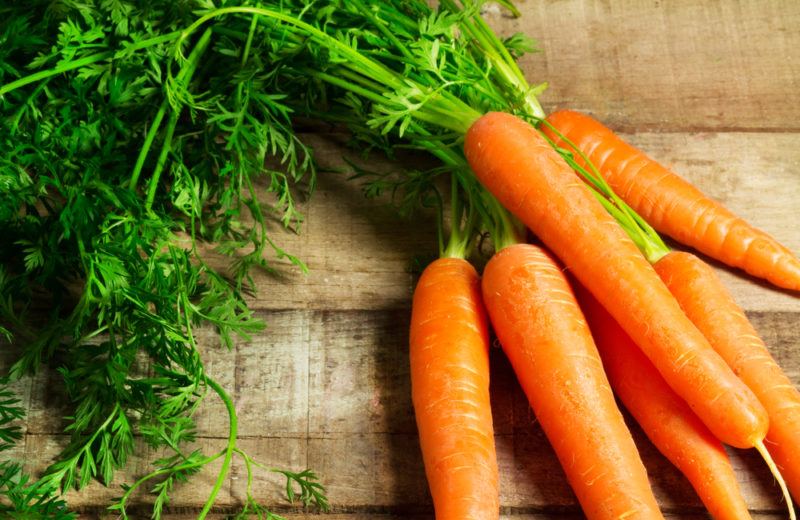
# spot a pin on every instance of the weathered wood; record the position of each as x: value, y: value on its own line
x: 328, y: 389
x: 676, y: 66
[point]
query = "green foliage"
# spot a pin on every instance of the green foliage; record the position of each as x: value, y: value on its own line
x: 28, y: 501
x: 122, y: 148
x: 23, y: 499
x: 10, y: 412
x: 419, y: 82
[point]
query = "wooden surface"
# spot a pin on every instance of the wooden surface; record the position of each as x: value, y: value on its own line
x: 710, y: 88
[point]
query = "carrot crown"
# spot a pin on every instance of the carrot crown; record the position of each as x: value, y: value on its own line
x: 520, y: 98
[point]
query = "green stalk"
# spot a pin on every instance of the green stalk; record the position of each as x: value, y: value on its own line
x: 382, y: 28
x: 54, y: 475
x: 55, y: 71
x: 507, y: 230
x: 371, y: 68
x: 435, y: 115
x: 645, y: 237
x: 229, y: 449
x: 503, y: 64
x: 504, y: 228
x: 184, y: 76
x: 456, y: 245
x: 147, y: 144
x: 166, y: 471
x: 249, y: 43
x: 400, y: 20
x: 18, y: 116
x: 162, y: 158
x: 439, y: 107
x: 510, y: 75
x: 505, y: 57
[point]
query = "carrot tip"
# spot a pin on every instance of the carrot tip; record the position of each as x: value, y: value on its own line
x: 773, y: 468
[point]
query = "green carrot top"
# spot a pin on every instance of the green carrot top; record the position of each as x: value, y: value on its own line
x: 425, y: 76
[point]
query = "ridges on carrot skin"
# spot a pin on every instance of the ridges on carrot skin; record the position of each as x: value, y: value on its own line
x: 673, y: 206
x: 708, y: 303
x: 547, y: 340
x: 449, y: 345
x: 528, y: 177
x: 665, y: 418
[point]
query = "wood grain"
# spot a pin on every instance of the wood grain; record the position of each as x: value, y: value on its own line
x: 676, y: 65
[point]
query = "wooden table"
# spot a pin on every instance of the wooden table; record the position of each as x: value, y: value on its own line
x: 710, y: 88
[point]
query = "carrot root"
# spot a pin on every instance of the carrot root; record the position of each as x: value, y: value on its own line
x: 664, y: 417
x: 546, y: 339
x: 674, y: 206
x: 712, y: 308
x: 773, y: 468
x: 449, y: 350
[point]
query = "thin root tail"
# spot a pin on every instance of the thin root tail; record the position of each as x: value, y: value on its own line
x: 773, y: 468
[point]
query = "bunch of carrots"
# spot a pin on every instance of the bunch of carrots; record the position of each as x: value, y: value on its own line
x: 653, y: 325
x: 656, y: 326
x: 601, y: 307
x: 684, y: 392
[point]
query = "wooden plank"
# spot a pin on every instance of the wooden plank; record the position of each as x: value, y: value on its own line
x: 359, y: 373
x: 361, y: 255
x: 40, y: 450
x: 677, y: 65
x: 358, y: 251
x: 561, y: 515
x: 329, y: 390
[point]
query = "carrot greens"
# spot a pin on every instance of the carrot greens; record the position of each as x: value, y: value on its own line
x: 125, y: 146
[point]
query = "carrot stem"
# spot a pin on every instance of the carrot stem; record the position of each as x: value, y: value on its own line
x: 229, y: 449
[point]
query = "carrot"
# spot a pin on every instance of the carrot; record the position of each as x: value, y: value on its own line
x: 544, y: 335
x: 534, y: 183
x: 450, y: 390
x: 665, y: 418
x: 673, y: 206
x: 711, y: 307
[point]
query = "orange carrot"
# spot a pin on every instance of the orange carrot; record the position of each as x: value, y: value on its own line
x: 532, y: 181
x: 665, y: 418
x: 544, y: 335
x: 673, y: 206
x: 711, y: 307
x: 450, y: 390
